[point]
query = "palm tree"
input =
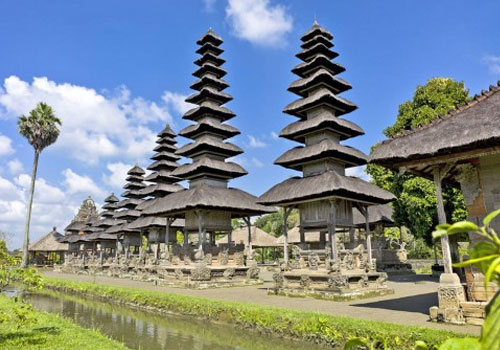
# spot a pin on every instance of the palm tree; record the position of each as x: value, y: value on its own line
x: 40, y: 128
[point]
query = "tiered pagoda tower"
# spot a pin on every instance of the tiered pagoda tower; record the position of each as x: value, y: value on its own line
x: 126, y: 209
x: 209, y: 204
x: 162, y: 184
x: 324, y: 195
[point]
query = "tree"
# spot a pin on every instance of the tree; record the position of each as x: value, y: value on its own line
x: 40, y: 128
x: 273, y: 223
x: 416, y: 206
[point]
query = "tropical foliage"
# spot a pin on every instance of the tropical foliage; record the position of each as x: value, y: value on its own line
x: 273, y: 223
x: 416, y: 206
x: 40, y: 128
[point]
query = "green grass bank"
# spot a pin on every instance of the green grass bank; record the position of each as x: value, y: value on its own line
x: 314, y: 327
x: 23, y: 327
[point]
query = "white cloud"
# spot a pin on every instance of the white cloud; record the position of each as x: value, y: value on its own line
x: 254, y: 142
x: 116, y: 178
x: 52, y: 206
x: 177, y: 102
x: 44, y: 192
x: 259, y: 22
x: 275, y: 135
x: 94, y: 126
x: 493, y: 63
x: 81, y: 184
x: 209, y: 5
x: 5, y: 146
x: 358, y: 171
x: 15, y: 166
x: 257, y: 163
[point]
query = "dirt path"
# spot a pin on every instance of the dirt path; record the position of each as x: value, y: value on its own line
x: 409, y: 305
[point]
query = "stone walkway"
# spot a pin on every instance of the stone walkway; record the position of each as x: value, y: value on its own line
x: 408, y: 305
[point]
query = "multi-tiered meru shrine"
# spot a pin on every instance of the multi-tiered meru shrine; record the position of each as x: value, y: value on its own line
x: 324, y: 195
x: 209, y: 205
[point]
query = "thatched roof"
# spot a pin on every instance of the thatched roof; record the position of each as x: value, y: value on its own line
x: 210, y: 37
x: 378, y: 214
x: 328, y: 184
x: 238, y: 202
x: 316, y: 30
x: 260, y: 239
x: 324, y: 121
x: 209, y: 93
x: 473, y: 127
x: 320, y: 77
x: 326, y: 148
x: 209, y: 125
x: 220, y: 112
x: 304, y: 68
x: 145, y: 222
x: 49, y: 243
x: 75, y: 226
x: 294, y: 237
x: 322, y: 96
x: 211, y: 166
x: 208, y: 142
x: 316, y: 49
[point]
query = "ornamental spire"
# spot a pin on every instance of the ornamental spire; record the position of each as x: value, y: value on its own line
x: 209, y: 150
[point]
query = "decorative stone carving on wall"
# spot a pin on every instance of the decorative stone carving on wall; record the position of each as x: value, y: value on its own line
x: 339, y: 281
x: 201, y: 273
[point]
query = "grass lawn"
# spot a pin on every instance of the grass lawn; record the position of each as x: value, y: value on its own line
x: 22, y: 327
x: 311, y: 326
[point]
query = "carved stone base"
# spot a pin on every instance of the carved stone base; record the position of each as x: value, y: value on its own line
x: 451, y: 294
x: 337, y: 286
x: 202, y: 276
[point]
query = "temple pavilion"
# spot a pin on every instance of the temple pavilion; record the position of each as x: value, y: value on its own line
x: 159, y: 229
x: 460, y: 149
x: 324, y: 195
x: 208, y: 205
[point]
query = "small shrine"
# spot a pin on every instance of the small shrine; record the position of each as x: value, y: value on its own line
x: 324, y: 195
x: 208, y: 205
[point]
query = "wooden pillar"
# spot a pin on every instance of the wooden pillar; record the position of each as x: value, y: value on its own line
x: 167, y: 236
x: 201, y: 229
x: 368, y: 234
x: 157, y: 254
x: 186, y: 238
x: 249, y: 226
x: 331, y: 231
x: 230, y: 237
x: 302, y: 235
x: 286, y: 212
x: 439, y: 173
x: 351, y: 235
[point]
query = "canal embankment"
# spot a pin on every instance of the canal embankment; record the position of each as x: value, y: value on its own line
x: 24, y: 327
x: 314, y: 327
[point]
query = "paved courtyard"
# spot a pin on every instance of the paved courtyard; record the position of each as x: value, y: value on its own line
x: 408, y: 305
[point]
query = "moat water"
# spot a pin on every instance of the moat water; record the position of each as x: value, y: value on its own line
x: 146, y: 330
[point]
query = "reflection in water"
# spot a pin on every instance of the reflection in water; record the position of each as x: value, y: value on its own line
x: 147, y: 330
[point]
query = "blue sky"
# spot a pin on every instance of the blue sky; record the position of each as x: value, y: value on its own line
x: 115, y: 71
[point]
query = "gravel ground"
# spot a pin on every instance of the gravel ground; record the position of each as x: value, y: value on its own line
x: 408, y: 305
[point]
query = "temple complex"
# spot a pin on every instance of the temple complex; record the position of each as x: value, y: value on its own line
x: 209, y: 205
x: 324, y: 195
x: 460, y: 149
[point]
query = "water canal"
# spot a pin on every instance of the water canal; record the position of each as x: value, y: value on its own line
x: 145, y: 330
